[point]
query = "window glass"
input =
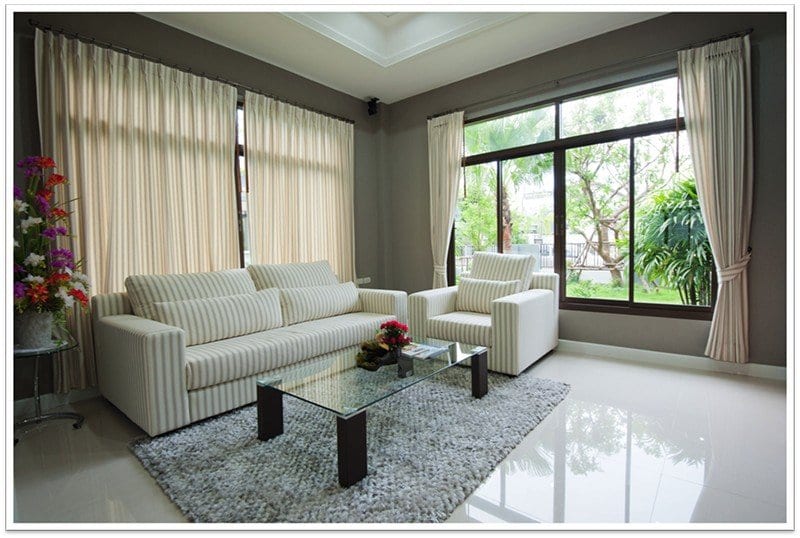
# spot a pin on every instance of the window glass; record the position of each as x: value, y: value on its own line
x: 476, y: 215
x: 597, y: 202
x: 528, y: 218
x: 673, y: 260
x: 644, y: 103
x: 529, y: 127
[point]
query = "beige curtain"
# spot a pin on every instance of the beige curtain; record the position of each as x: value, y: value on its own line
x: 300, y: 174
x: 715, y: 81
x: 445, y: 152
x: 149, y: 152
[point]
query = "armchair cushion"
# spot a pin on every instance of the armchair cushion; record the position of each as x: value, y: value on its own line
x: 315, y: 302
x: 292, y: 275
x: 217, y: 318
x: 476, y: 295
x: 493, y: 266
x: 466, y: 327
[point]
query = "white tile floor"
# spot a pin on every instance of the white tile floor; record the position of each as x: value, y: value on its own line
x: 630, y: 443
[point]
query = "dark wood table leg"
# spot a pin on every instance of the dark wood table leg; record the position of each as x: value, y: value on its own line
x: 351, y: 440
x: 480, y: 375
x: 270, y: 412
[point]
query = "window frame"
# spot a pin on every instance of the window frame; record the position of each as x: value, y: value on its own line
x: 558, y: 147
x: 240, y: 189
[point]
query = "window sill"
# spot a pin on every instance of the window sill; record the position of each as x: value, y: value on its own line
x: 656, y: 310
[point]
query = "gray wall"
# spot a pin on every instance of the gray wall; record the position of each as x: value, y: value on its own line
x: 406, y: 169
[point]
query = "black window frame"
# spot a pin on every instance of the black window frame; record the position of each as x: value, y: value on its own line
x: 239, y: 152
x: 558, y: 147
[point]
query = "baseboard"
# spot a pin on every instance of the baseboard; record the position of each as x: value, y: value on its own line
x: 26, y: 407
x: 661, y: 358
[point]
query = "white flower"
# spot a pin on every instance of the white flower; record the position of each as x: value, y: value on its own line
x: 78, y: 276
x: 63, y: 294
x: 33, y: 259
x: 79, y: 286
x: 30, y: 221
x: 34, y: 279
x: 20, y: 206
x: 16, y: 244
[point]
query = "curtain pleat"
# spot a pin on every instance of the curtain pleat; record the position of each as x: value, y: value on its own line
x: 301, y: 177
x: 148, y: 150
x: 445, y: 152
x: 716, y: 87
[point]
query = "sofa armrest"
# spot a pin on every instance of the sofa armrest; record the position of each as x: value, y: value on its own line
x: 547, y: 281
x: 391, y: 302
x: 141, y: 369
x: 424, y: 305
x: 523, y: 329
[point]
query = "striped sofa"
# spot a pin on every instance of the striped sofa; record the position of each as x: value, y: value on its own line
x: 502, y: 304
x: 175, y: 349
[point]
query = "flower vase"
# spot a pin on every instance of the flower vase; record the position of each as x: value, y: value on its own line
x: 33, y: 330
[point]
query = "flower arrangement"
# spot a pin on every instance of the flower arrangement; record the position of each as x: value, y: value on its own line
x: 393, y: 335
x: 46, y: 278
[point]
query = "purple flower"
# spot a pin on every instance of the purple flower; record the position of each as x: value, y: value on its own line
x: 50, y: 233
x: 18, y: 268
x: 62, y: 253
x: 19, y: 290
x: 17, y: 193
x: 61, y: 230
x: 62, y: 257
x: 44, y: 205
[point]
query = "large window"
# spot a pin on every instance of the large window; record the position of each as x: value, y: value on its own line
x: 599, y: 188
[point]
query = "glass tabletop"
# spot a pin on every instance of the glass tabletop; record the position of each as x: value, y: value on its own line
x: 62, y: 340
x: 334, y: 381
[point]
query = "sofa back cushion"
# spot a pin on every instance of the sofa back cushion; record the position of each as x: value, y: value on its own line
x: 475, y: 295
x: 493, y: 266
x: 315, y: 302
x: 217, y: 318
x: 145, y: 290
x: 292, y: 275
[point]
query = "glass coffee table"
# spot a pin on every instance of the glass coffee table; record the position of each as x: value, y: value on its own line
x: 335, y: 383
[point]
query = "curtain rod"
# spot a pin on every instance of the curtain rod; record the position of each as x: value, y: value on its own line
x: 557, y: 81
x: 143, y: 56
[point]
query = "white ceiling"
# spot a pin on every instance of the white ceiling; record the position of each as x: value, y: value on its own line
x: 394, y: 55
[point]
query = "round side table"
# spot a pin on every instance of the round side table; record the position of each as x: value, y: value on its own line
x: 62, y: 341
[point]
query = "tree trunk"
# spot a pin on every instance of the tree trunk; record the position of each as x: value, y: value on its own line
x: 507, y: 223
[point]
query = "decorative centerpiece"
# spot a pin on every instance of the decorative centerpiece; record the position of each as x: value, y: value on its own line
x: 46, y: 277
x: 385, y: 348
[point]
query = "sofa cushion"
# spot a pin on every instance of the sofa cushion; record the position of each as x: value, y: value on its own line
x: 225, y: 360
x: 476, y: 295
x: 466, y: 327
x: 315, y: 302
x: 217, y: 318
x: 145, y: 290
x: 493, y: 266
x: 292, y: 275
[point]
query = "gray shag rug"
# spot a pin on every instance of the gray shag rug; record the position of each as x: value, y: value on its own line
x: 429, y: 447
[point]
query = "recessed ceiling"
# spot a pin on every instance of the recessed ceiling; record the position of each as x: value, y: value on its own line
x: 393, y: 56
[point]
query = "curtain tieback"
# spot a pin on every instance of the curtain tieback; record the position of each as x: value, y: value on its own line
x: 733, y: 270
x: 439, y: 269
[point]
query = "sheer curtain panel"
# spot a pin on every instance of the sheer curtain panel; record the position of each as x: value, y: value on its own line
x: 445, y: 152
x: 301, y: 179
x: 715, y: 82
x: 149, y: 152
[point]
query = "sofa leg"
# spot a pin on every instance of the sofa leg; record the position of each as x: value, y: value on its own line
x: 480, y: 375
x: 270, y: 412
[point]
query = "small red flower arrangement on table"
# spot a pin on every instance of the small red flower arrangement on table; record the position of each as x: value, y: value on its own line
x: 385, y: 348
x: 393, y: 335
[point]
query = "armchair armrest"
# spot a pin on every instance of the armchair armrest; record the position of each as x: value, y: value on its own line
x: 141, y: 369
x: 524, y: 328
x: 424, y: 305
x: 389, y: 302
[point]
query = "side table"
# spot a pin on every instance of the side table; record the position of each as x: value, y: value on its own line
x: 62, y: 341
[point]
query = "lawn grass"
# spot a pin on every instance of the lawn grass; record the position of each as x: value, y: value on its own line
x: 592, y: 290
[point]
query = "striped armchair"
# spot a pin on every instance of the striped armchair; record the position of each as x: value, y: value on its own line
x: 502, y: 305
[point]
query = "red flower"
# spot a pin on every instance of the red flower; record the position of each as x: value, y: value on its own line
x: 55, y: 179
x: 37, y: 293
x: 80, y: 296
x: 58, y: 278
x: 58, y: 212
x: 46, y: 162
x: 47, y: 194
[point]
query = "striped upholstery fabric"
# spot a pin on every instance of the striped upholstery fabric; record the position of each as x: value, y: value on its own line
x: 234, y: 358
x: 292, y: 275
x: 475, y: 295
x: 547, y: 281
x: 524, y: 330
x: 149, y: 383
x: 145, y: 290
x: 424, y: 305
x: 493, y: 266
x: 385, y: 302
x: 466, y: 327
x: 110, y: 304
x: 216, y: 318
x: 315, y: 302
